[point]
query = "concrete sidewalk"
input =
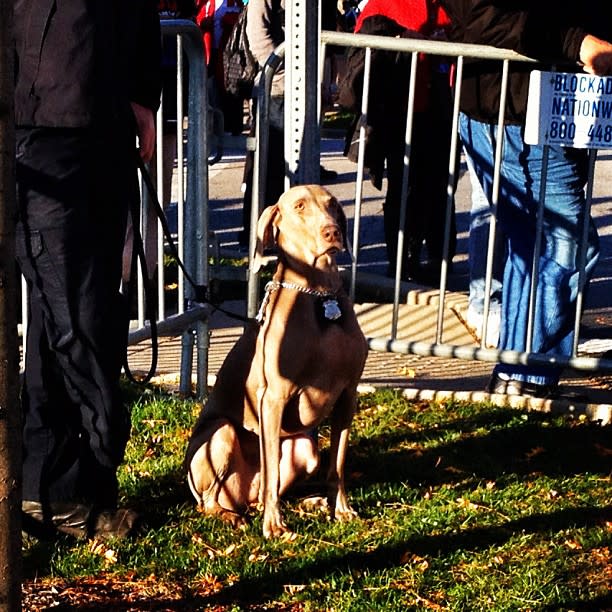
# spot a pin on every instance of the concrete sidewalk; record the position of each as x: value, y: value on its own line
x: 421, y: 377
x: 424, y: 378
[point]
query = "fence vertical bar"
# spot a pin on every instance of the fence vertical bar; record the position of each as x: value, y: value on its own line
x: 584, y: 241
x: 404, y: 195
x: 450, y: 195
x: 360, y: 157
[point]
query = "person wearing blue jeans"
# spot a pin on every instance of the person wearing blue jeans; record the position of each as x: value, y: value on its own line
x: 578, y: 33
x: 555, y: 305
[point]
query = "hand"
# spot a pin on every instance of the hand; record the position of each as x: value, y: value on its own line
x: 412, y: 34
x: 596, y: 56
x: 145, y: 125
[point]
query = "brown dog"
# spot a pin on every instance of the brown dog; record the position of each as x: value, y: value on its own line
x: 297, y: 365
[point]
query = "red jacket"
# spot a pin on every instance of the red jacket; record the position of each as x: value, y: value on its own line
x: 216, y: 19
x: 424, y: 16
x: 411, y: 14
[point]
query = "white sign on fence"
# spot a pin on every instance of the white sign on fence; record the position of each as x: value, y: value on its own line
x: 571, y: 109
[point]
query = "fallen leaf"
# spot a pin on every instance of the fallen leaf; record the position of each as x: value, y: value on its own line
x: 573, y: 545
x: 408, y: 372
x: 110, y: 556
x: 534, y: 452
x: 466, y: 503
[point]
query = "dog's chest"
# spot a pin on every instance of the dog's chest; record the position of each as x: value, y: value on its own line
x: 312, y: 341
x: 330, y: 359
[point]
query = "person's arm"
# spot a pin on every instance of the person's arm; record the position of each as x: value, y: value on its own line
x: 144, y: 65
x: 540, y: 29
x: 145, y: 128
x: 145, y: 76
x: 596, y: 55
x: 485, y: 22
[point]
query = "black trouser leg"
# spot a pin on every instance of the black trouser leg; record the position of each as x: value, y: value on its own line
x: 413, y: 230
x: 69, y: 244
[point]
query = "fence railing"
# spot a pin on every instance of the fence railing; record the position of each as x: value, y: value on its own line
x: 459, y: 52
x: 390, y: 343
x: 192, y: 155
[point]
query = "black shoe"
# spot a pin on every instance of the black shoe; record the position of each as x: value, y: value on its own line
x: 77, y: 520
x: 326, y: 175
x: 502, y: 386
x: 119, y: 523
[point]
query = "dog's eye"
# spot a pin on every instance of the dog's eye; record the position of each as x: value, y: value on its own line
x: 299, y: 206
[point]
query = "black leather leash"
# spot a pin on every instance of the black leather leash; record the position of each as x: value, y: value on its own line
x: 201, y: 294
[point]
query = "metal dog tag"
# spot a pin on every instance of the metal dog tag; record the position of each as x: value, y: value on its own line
x: 331, y: 310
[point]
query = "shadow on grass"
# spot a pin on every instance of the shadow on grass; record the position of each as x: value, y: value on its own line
x: 154, y: 495
x: 487, y: 446
x: 256, y: 591
x: 520, y: 449
x: 598, y: 604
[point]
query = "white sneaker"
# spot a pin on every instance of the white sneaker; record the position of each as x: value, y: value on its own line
x: 475, y: 322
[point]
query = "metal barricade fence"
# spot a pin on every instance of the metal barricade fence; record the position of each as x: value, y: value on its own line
x: 390, y: 343
x: 192, y: 158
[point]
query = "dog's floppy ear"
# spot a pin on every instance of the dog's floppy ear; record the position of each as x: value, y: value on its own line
x: 265, y: 235
x: 343, y: 228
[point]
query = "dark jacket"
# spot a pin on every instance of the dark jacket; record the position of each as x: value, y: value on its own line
x: 388, y: 99
x: 81, y: 62
x: 544, y: 29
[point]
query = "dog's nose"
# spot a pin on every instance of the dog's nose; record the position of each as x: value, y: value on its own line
x: 331, y: 233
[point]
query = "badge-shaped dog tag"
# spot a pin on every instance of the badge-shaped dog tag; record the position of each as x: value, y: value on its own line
x: 331, y: 310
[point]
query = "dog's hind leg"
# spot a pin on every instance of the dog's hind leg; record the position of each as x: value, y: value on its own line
x: 218, y: 474
x: 299, y: 459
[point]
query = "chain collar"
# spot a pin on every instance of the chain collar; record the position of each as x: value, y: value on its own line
x: 330, y: 305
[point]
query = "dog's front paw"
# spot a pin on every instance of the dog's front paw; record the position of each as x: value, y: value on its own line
x: 273, y: 524
x: 235, y: 519
x: 345, y: 514
x: 341, y: 509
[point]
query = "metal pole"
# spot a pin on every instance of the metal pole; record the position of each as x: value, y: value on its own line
x: 10, y: 429
x: 302, y: 120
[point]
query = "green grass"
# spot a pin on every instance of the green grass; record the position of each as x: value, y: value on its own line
x: 461, y: 507
x: 338, y: 120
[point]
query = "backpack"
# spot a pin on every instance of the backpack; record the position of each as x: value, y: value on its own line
x: 239, y: 66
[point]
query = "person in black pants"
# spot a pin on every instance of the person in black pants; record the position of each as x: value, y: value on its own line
x: 88, y: 83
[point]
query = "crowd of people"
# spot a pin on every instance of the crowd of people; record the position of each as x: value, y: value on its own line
x: 87, y: 89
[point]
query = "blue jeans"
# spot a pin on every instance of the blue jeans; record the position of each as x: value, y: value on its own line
x: 564, y: 206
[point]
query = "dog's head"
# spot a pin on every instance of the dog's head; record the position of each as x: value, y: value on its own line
x: 307, y: 223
